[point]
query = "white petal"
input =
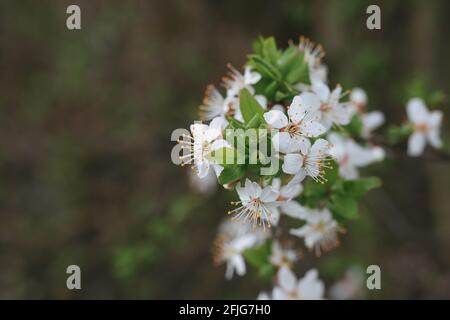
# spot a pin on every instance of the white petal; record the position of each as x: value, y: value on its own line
x: 310, y: 287
x: 202, y: 169
x: 416, y: 144
x: 312, y: 128
x: 281, y: 142
x: 251, y: 77
x: 268, y: 195
x: 306, y: 103
x: 358, y: 96
x: 286, y: 279
x: 435, y: 119
x: 417, y: 110
x: 341, y: 114
x: 239, y: 264
x: 292, y: 163
x: 322, y: 90
x: 371, y: 121
x: 278, y: 107
x: 244, y: 242
x: 198, y: 129
x: 348, y: 172
x: 276, y: 119
x: 274, y: 214
x: 294, y: 210
x: 229, y: 271
x: 242, y: 193
x: 291, y: 190
x: 217, y: 169
x: 263, y: 296
x: 434, y: 138
x: 279, y: 294
x: 321, y: 146
x: 253, y: 189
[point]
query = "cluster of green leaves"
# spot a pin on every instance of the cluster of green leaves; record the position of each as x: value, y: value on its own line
x: 280, y: 70
x: 337, y: 194
x: 252, y: 113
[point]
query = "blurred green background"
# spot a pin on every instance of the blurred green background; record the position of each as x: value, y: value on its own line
x: 85, y: 124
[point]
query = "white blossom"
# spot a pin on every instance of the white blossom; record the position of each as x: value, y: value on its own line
x: 370, y: 120
x: 257, y: 205
x: 310, y: 287
x: 301, y: 123
x: 312, y: 55
x: 332, y: 111
x: 312, y: 162
x: 350, y: 156
x: 426, y: 127
x: 233, y: 239
x: 282, y: 257
x: 286, y: 193
x: 203, y: 140
x: 236, y: 81
x: 358, y: 99
x: 320, y: 232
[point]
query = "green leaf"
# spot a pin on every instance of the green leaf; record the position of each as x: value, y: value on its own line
x: 224, y: 156
x: 235, y: 124
x: 265, y: 67
x: 355, y: 126
x: 288, y: 58
x: 298, y: 73
x: 249, y: 106
x: 269, y: 50
x: 231, y: 174
x: 254, y: 122
x: 359, y: 187
x: 270, y: 90
x: 344, y: 206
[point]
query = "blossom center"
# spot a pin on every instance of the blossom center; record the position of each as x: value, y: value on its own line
x: 423, y: 127
x: 292, y: 129
x: 324, y: 107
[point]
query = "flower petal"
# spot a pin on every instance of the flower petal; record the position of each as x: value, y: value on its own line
x: 435, y: 119
x: 268, y: 194
x: 416, y: 144
x: 417, y: 110
x: 292, y: 163
x: 303, y: 105
x: 312, y: 128
x: 321, y: 90
x: 281, y: 142
x: 286, y: 279
x: 310, y: 287
x: 202, y: 169
x: 276, y: 119
x: 434, y: 138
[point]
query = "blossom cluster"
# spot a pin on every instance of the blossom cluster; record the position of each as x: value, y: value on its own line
x: 321, y: 135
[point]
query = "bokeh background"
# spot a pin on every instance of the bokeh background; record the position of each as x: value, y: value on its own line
x: 85, y: 124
